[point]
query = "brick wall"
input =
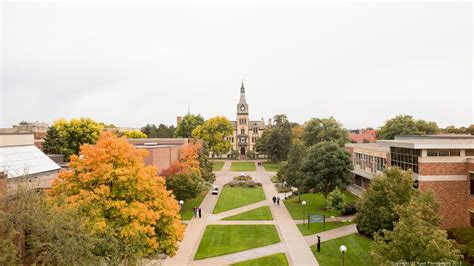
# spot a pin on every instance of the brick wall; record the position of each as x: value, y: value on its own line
x: 443, y: 168
x: 454, y: 198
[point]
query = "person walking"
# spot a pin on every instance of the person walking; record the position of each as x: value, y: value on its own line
x: 199, y: 210
x: 274, y: 200
x: 278, y: 200
x: 195, y: 212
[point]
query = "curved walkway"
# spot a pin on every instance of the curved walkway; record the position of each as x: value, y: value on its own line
x: 293, y: 244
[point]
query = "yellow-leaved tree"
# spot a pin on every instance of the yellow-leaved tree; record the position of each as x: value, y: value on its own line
x: 120, y: 197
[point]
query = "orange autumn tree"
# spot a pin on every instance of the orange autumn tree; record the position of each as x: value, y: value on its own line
x: 184, y: 177
x: 118, y: 195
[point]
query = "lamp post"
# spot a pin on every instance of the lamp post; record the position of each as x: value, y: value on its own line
x: 284, y: 187
x: 303, y: 203
x: 343, y: 250
x: 181, y: 202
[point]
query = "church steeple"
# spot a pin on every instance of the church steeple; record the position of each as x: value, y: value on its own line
x: 242, y: 88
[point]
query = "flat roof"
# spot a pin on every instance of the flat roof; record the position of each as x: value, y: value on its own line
x: 369, y: 146
x: 431, y: 143
x: 154, y: 146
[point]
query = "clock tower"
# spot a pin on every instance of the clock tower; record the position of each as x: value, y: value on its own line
x: 242, y: 123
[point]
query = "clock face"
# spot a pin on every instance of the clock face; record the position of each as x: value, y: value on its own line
x: 242, y: 107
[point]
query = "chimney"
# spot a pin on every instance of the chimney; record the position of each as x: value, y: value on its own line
x: 178, y: 120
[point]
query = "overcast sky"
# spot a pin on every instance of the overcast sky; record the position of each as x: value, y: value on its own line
x: 133, y: 64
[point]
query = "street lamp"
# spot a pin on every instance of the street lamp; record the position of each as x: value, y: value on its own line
x: 343, y: 250
x: 284, y: 187
x: 181, y: 202
x: 303, y: 203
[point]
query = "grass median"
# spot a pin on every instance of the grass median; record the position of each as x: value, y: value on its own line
x: 235, y: 197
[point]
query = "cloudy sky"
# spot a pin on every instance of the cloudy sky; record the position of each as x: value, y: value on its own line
x: 132, y: 64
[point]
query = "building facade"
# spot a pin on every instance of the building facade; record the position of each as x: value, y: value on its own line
x: 246, y: 131
x: 444, y: 164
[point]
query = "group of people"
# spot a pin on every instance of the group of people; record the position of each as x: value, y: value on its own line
x: 276, y: 199
x: 197, y: 212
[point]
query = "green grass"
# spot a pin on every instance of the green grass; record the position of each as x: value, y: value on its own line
x: 262, y: 213
x: 217, y: 166
x: 314, y: 204
x: 224, y: 239
x: 243, y: 166
x: 315, y: 228
x: 358, y: 248
x: 235, y: 197
x: 187, y: 211
x: 271, y: 167
x: 278, y: 259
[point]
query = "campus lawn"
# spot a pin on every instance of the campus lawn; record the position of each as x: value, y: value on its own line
x: 217, y: 166
x: 224, y: 239
x: 314, y: 205
x: 187, y: 211
x: 278, y: 259
x: 262, y: 213
x: 243, y: 166
x: 315, y: 228
x: 271, y: 167
x: 358, y: 248
x: 235, y: 197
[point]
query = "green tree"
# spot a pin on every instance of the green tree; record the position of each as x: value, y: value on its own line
x: 164, y: 131
x: 76, y: 132
x: 150, y: 130
x: 53, y: 143
x: 376, y: 208
x: 185, y: 185
x: 281, y: 121
x: 51, y: 237
x: 327, y: 166
x: 260, y: 144
x: 205, y: 165
x: 336, y: 201
x: 213, y: 132
x: 317, y: 130
x: 293, y: 172
x: 187, y: 125
x: 416, y: 236
x: 278, y: 144
x: 406, y: 125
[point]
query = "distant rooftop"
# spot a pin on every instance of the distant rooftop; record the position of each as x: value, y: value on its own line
x: 432, y: 142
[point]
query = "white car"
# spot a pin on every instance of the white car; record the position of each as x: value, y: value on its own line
x: 215, y: 190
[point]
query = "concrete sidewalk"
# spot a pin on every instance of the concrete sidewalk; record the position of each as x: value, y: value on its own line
x: 331, y: 234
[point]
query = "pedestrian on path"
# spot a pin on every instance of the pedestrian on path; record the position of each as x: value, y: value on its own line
x: 195, y: 212
x: 278, y: 200
x: 199, y: 210
x: 274, y: 200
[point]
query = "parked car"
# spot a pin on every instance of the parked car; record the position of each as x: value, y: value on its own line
x: 215, y: 190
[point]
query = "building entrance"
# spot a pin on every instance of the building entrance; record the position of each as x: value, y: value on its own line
x: 242, y: 151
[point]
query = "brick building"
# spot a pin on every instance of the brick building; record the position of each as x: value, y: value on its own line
x: 444, y: 164
x: 162, y: 152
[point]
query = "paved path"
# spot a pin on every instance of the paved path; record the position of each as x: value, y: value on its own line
x: 293, y: 244
x: 331, y: 234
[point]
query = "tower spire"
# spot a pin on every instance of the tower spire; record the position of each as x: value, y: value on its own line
x: 242, y: 88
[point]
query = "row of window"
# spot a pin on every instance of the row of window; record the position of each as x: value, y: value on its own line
x: 443, y: 152
x: 406, y: 159
x: 242, y: 140
x: 368, y: 162
x: 242, y: 121
x: 255, y: 130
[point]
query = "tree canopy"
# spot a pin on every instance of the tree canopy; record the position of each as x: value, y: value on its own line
x: 377, y: 205
x: 214, y: 132
x: 115, y: 192
x: 162, y: 131
x: 135, y: 134
x: 76, y: 132
x: 292, y: 171
x: 416, y: 236
x: 327, y: 166
x: 187, y: 125
x: 53, y: 143
x: 317, y: 130
x: 406, y: 125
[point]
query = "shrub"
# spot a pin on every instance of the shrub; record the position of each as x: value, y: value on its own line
x: 243, y: 178
x: 464, y: 236
x: 282, y: 189
x: 250, y: 183
x: 349, y: 209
